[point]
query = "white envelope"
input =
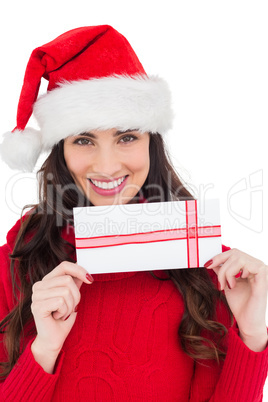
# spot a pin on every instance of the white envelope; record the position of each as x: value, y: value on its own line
x: 147, y: 236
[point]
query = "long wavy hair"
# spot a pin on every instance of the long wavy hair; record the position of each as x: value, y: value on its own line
x: 39, y: 248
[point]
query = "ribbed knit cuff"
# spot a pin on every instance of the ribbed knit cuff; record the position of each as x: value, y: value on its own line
x: 244, y: 371
x: 28, y: 381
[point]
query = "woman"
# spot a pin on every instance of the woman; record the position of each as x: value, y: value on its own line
x: 158, y: 336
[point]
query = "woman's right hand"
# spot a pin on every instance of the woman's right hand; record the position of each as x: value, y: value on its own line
x: 54, y: 301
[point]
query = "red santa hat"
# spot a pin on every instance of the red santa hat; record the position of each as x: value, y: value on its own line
x: 95, y: 81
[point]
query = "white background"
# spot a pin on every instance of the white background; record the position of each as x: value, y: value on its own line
x: 213, y: 55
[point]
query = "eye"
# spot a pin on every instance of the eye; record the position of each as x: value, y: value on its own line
x: 82, y: 141
x: 128, y: 138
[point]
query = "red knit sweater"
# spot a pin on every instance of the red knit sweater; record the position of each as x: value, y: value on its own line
x: 124, y: 346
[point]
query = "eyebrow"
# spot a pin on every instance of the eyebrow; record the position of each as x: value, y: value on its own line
x: 116, y: 134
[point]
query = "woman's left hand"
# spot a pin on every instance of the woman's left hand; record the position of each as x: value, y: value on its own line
x: 246, y: 294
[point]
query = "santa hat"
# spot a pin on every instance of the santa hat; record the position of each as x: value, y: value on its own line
x: 95, y: 81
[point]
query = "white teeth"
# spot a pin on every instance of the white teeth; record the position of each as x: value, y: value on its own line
x: 108, y: 185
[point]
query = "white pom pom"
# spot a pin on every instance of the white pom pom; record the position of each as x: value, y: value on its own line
x: 21, y: 149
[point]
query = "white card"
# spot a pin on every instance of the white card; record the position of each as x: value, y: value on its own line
x: 147, y: 236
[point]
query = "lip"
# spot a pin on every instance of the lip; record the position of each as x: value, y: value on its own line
x: 111, y: 191
x: 106, y: 180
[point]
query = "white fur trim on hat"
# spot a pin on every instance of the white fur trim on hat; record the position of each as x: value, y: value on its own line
x: 123, y: 102
x: 21, y: 149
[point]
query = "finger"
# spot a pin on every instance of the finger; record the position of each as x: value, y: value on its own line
x: 253, y: 265
x: 240, y: 273
x: 218, y: 259
x: 216, y: 270
x: 71, y: 299
x: 225, y: 276
x: 231, y: 272
x: 78, y: 283
x: 46, y: 289
x: 70, y: 268
x: 41, y: 309
x: 226, y: 273
x: 57, y: 281
x: 220, y: 264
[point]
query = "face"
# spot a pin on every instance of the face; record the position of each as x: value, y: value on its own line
x: 109, y: 166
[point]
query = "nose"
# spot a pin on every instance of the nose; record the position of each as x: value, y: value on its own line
x: 106, y: 163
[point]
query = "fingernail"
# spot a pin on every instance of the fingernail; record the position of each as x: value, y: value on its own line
x: 208, y: 263
x: 67, y: 317
x: 219, y: 286
x: 240, y: 273
x: 228, y: 285
x: 89, y: 278
x: 76, y: 309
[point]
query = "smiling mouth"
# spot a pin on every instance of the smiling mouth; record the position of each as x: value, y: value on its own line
x: 108, y: 185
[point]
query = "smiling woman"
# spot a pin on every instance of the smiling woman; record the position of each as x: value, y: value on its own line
x: 168, y: 335
x: 109, y: 166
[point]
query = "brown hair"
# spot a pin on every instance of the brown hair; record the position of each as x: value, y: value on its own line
x: 39, y: 248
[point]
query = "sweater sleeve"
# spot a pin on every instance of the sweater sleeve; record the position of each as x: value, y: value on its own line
x: 241, y: 377
x: 27, y: 381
